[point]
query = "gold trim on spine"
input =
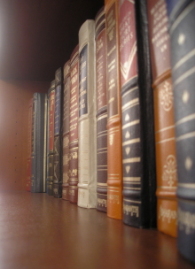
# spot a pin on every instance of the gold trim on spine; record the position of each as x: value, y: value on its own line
x: 133, y: 89
x: 132, y: 160
x: 130, y: 124
x: 102, y: 117
x: 132, y: 201
x: 186, y: 136
x: 131, y: 179
x: 131, y: 141
x: 185, y: 119
x: 182, y: 16
x: 187, y: 185
x: 184, y: 59
x: 130, y: 104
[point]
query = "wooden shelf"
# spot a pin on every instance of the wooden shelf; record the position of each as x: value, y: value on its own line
x: 39, y: 231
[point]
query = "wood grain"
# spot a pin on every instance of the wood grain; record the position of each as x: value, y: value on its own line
x: 40, y: 231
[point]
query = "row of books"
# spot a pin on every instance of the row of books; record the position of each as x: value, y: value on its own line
x: 118, y: 129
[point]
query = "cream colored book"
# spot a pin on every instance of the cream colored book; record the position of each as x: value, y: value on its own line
x: 87, y: 118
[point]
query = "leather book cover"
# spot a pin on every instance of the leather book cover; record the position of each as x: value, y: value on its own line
x: 114, y: 156
x: 38, y: 142
x: 29, y: 165
x: 101, y: 112
x: 50, y: 138
x: 87, y: 196
x: 182, y: 38
x: 66, y: 128
x: 139, y: 204
x: 58, y: 147
x: 166, y: 163
x: 74, y: 118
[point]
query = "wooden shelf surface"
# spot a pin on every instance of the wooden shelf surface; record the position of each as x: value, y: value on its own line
x: 39, y: 231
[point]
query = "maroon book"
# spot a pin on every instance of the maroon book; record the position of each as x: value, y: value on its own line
x: 73, y: 133
x: 66, y: 129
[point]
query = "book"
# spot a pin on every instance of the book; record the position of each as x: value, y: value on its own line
x: 50, y: 139
x: 182, y: 39
x: 29, y: 164
x: 66, y: 129
x: 114, y: 156
x: 87, y: 118
x: 38, y: 143
x: 74, y: 118
x: 101, y: 111
x: 58, y: 147
x: 166, y: 161
x: 139, y: 181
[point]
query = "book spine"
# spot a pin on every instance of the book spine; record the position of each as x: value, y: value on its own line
x: 137, y: 117
x: 66, y: 128
x: 38, y: 126
x: 74, y: 117
x: 166, y: 164
x: 114, y: 157
x: 87, y: 122
x: 183, y: 73
x: 101, y: 114
x: 58, y: 147
x: 29, y: 164
x: 50, y: 138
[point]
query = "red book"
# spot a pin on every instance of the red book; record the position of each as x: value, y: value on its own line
x: 66, y: 129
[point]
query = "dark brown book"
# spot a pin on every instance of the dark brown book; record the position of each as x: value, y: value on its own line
x: 166, y: 164
x: 73, y: 133
x: 66, y: 129
x: 50, y: 139
x: 114, y: 194
x: 101, y: 111
x: 58, y: 149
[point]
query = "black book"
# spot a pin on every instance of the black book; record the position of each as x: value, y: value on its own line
x: 182, y: 25
x: 38, y: 154
x: 58, y: 145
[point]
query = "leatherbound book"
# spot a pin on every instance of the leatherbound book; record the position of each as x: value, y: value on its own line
x: 74, y: 118
x: 114, y: 156
x: 29, y: 166
x: 66, y: 128
x: 38, y: 143
x: 101, y: 112
x: 58, y: 147
x: 166, y: 161
x: 87, y: 117
x: 139, y: 181
x: 50, y: 139
x: 182, y: 24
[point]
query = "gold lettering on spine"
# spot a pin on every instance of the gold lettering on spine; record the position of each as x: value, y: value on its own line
x: 160, y: 31
x: 186, y: 221
x: 167, y: 214
x: 102, y: 202
x: 131, y: 210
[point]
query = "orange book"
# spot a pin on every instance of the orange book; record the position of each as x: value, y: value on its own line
x: 166, y: 167
x: 114, y: 182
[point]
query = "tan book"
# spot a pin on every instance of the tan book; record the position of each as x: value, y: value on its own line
x: 87, y: 118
